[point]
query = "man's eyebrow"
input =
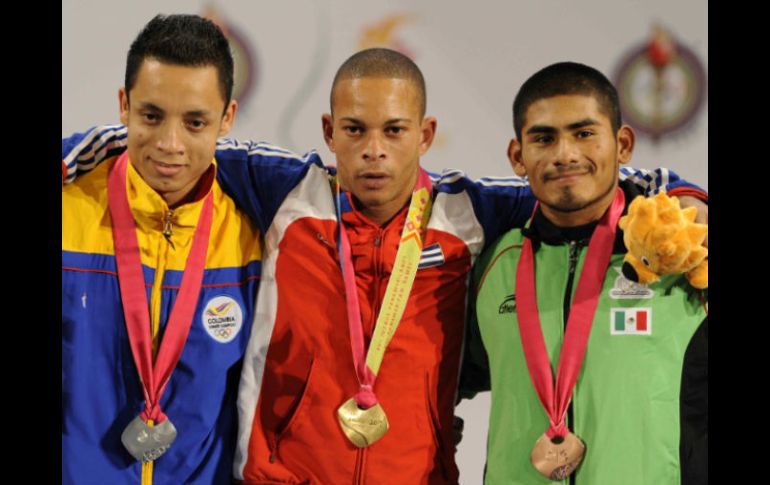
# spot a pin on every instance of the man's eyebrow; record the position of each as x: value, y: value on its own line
x: 394, y: 121
x: 582, y: 124
x: 572, y: 126
x: 198, y: 113
x: 540, y: 129
x: 150, y: 106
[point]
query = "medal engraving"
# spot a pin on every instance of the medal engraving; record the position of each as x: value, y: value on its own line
x: 557, y: 458
x: 148, y: 443
x: 362, y: 426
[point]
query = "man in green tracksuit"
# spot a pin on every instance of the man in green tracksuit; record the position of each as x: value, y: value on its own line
x: 638, y: 399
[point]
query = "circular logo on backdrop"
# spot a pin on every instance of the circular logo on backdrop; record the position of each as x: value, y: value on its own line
x: 244, y: 60
x: 661, y: 84
x: 222, y: 318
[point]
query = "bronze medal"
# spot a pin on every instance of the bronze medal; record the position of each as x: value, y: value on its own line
x: 556, y: 458
x: 362, y: 426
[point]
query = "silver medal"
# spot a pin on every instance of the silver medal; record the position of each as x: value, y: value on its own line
x: 147, y: 443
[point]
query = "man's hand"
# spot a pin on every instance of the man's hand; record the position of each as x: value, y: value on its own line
x: 702, y: 217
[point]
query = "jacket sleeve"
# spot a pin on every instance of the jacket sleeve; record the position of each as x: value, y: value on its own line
x: 503, y: 203
x: 474, y: 372
x: 693, y: 447
x: 257, y: 175
x: 650, y: 182
x: 82, y: 152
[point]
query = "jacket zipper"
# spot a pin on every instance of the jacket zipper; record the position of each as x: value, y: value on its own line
x: 155, y: 306
x: 359, y: 471
x: 167, y: 228
x: 573, y: 259
x: 360, y: 454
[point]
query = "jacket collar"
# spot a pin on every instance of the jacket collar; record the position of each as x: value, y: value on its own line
x: 150, y: 209
x: 542, y: 230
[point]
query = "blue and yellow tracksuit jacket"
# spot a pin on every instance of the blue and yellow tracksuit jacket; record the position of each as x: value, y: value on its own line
x: 101, y: 390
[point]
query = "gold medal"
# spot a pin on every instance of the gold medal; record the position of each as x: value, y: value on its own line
x: 362, y: 426
x: 557, y: 458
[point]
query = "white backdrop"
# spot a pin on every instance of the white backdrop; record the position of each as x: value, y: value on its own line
x: 474, y: 56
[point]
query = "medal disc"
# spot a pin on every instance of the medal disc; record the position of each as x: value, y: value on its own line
x: 362, y: 426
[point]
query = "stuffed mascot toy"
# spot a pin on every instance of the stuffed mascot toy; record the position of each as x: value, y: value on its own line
x: 662, y: 238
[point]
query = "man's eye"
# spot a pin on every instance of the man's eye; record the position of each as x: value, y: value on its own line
x: 150, y: 117
x: 544, y: 139
x: 353, y: 130
x: 584, y: 133
x: 196, y: 124
x: 394, y: 130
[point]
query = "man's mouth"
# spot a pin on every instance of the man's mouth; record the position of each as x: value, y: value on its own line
x: 374, y: 180
x: 167, y: 169
x: 565, y: 176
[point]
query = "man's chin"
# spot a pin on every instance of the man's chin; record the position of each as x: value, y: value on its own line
x: 570, y: 203
x: 370, y: 200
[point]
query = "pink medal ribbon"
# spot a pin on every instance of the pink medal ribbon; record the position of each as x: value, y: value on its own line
x: 558, y: 452
x: 134, y: 297
x: 365, y: 397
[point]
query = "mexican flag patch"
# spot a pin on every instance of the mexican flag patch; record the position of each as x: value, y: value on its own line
x: 631, y: 321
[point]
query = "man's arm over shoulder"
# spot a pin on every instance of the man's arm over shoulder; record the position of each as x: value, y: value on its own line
x: 82, y: 152
x: 503, y: 203
x: 257, y: 175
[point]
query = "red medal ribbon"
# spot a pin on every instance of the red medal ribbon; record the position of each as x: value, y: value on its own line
x: 365, y: 396
x: 134, y: 297
x: 578, y: 324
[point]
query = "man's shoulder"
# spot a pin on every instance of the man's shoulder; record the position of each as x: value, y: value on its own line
x: 89, y: 188
x: 507, y: 245
x: 454, y: 181
x: 263, y: 155
x: 513, y: 239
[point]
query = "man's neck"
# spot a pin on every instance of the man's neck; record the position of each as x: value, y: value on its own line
x: 581, y: 217
x: 181, y: 197
x: 382, y: 214
x: 191, y: 193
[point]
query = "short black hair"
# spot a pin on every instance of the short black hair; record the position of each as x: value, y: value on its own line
x: 184, y: 40
x: 383, y: 63
x: 564, y: 78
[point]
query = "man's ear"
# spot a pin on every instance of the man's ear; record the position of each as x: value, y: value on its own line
x: 327, y: 125
x: 514, y: 156
x: 123, y: 105
x: 626, y: 141
x: 428, y: 133
x: 228, y: 118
